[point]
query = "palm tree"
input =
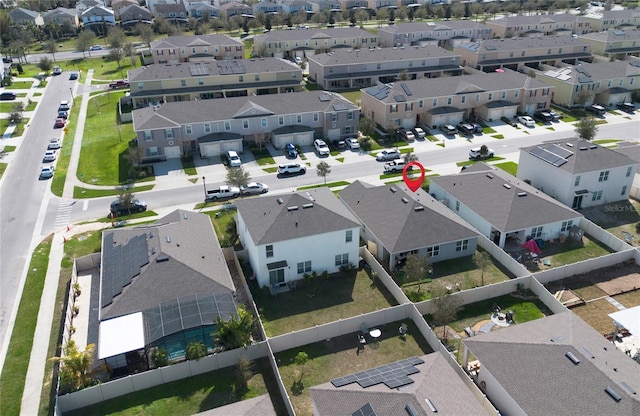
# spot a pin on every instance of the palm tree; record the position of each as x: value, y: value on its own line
x: 76, y: 367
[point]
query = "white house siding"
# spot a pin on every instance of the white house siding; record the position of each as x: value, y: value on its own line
x: 498, y: 395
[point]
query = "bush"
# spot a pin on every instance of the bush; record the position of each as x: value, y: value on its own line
x: 159, y: 357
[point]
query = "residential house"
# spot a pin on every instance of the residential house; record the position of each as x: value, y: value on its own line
x: 449, y: 100
x: 290, y: 235
x: 202, y: 10
x: 614, y: 19
x: 576, y: 172
x: 161, y: 285
x: 84, y: 5
x: 330, y: 5
x: 554, y: 365
x: 430, y: 378
x: 61, y: 16
x: 304, y: 43
x: 297, y: 6
x: 540, y: 25
x: 212, y: 127
x: 24, y: 16
x: 133, y: 14
x: 503, y: 208
x: 631, y: 150
x: 519, y: 54
x: 174, y: 49
x: 449, y: 33
x: 98, y: 18
x: 361, y: 68
x: 607, y: 83
x: 172, y: 12
x: 397, y: 222
x: 614, y: 43
x: 353, y: 4
x: 116, y: 5
x: 234, y: 8
x: 212, y: 79
x: 266, y: 7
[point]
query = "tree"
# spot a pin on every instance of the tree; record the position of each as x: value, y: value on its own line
x: 301, y: 359
x: 403, y: 75
x: 126, y: 197
x: 267, y: 23
x: 484, y: 151
x: 236, y: 332
x: 416, y: 268
x: 482, y: 260
x: 76, y: 367
x: 583, y: 97
x: 195, y: 350
x: 50, y: 46
x: 323, y: 169
x: 86, y: 38
x: 159, y: 357
x: 586, y: 128
x: 410, y: 157
x: 245, y: 25
x: 367, y: 126
x: 445, y: 307
x: 145, y: 32
x: 238, y: 176
x: 45, y: 65
x: 17, y: 113
x: 242, y: 375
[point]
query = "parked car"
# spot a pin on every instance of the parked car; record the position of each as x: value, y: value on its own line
x: 526, y: 121
x: 59, y: 123
x: 50, y: 155
x: 298, y: 60
x: 57, y: 70
x: 448, y: 129
x: 626, y: 107
x: 233, y: 160
x: 46, y: 172
x: 420, y: 134
x: 352, y: 143
x: 291, y: 169
x: 395, y: 166
x: 476, y: 154
x: 54, y: 144
x: 95, y: 48
x: 477, y: 128
x: 64, y: 106
x: 465, y: 129
x: 63, y: 114
x: 121, y: 83
x: 543, y: 116
x: 223, y: 192
x: 291, y: 151
x: 253, y: 188
x: 388, y: 154
x: 117, y: 207
x: 340, y: 144
x: 556, y: 116
x: 596, y: 109
x: 321, y: 147
x: 8, y: 96
x: 73, y: 76
x: 408, y: 135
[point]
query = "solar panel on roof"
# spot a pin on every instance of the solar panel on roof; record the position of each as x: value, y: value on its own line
x: 340, y: 107
x: 393, y: 375
x: 560, y: 151
x: 400, y: 98
x: 199, y: 69
x: 406, y: 89
x: 548, y: 157
x: 365, y: 410
x: 324, y: 97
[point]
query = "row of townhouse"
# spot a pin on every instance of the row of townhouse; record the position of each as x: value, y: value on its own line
x: 539, y: 25
x: 447, y: 33
x: 174, y: 49
x: 613, y: 43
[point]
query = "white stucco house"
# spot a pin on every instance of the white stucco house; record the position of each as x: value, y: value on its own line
x: 503, y: 208
x: 577, y: 172
x: 288, y: 236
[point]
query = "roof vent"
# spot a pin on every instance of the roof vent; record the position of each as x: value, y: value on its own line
x: 431, y: 406
x: 153, y: 250
x: 392, y: 189
x: 569, y: 144
x: 292, y: 208
x: 168, y: 239
x: 405, y: 200
x: 305, y: 206
x: 557, y: 339
x: 411, y: 411
x: 614, y: 394
x: 490, y: 176
x: 150, y: 234
x: 280, y: 201
x: 587, y: 353
x: 573, y: 358
x: 522, y: 194
x: 162, y: 259
x: 418, y: 208
x: 185, y: 216
x: 506, y: 185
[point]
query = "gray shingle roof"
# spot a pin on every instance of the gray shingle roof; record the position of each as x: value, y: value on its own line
x: 587, y: 156
x: 168, y: 8
x: 612, y: 35
x: 186, y: 41
x: 327, y: 33
x: 436, y: 381
x: 178, y: 113
x: 522, y: 43
x: 398, y: 225
x: 268, y: 221
x: 196, y: 264
x: 156, y: 72
x: 433, y: 26
x: 485, y: 193
x: 364, y: 55
x: 535, y: 19
x: 529, y: 362
x: 629, y: 149
x: 596, y: 71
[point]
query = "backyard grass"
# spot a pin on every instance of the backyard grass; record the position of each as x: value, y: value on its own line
x: 190, y: 395
x: 270, y: 170
x: 14, y: 370
x: 320, y: 300
x: 595, y: 313
x: 19, y: 127
x: 328, y: 185
x: 102, y: 159
x: 80, y: 192
x: 262, y: 156
x: 509, y: 167
x: 57, y: 183
x: 225, y: 226
x: 337, y: 357
x: 572, y: 251
x: 353, y: 96
x: 619, y: 218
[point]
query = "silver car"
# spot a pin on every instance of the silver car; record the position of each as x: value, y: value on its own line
x: 254, y: 188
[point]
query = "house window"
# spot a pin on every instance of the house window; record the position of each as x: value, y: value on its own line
x: 299, y: 119
x: 348, y: 236
x: 420, y: 104
x: 435, y: 102
x: 462, y: 245
x: 227, y: 126
x: 342, y: 259
x: 188, y: 128
x: 245, y: 124
x: 596, y: 196
x: 449, y: 101
x: 200, y: 81
x: 304, y: 267
x: 334, y: 117
x: 629, y: 170
x: 207, y: 128
x: 566, y: 225
x: 263, y: 122
x: 269, y: 250
x: 394, y: 108
x: 577, y: 181
x: 516, y: 94
x: 433, y: 251
x: 140, y: 85
x: 504, y: 95
x: 463, y: 99
x: 281, y: 121
x: 457, y: 205
x: 168, y: 133
x: 604, y: 176
x: 240, y: 78
x: 183, y: 82
x: 316, y: 116
x: 536, y: 232
x: 276, y: 276
x: 257, y: 77
x: 490, y: 96
x: 147, y: 136
x: 624, y: 191
x: 477, y: 97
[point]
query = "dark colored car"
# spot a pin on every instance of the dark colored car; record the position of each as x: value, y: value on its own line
x: 121, y: 83
x: 73, y: 76
x: 291, y: 151
x: 626, y: 107
x: 596, y: 110
x: 543, y: 116
x: 59, y: 123
x: 465, y: 129
x: 477, y: 128
x: 117, y: 207
x: 63, y: 114
x: 448, y: 129
x: 8, y: 96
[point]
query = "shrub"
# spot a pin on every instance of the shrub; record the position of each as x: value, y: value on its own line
x: 159, y: 357
x: 638, y: 227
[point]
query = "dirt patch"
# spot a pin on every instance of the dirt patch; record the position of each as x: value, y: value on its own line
x: 612, y: 280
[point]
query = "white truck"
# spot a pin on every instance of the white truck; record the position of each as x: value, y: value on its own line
x: 223, y: 192
x: 395, y: 166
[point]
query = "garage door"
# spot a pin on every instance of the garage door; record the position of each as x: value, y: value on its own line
x: 280, y: 141
x: 333, y: 134
x: 172, y: 152
x: 303, y: 139
x: 209, y: 149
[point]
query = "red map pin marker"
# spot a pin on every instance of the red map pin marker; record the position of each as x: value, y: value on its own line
x: 413, y: 184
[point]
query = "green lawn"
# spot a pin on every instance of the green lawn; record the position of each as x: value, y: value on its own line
x: 262, y: 156
x: 572, y: 251
x: 3, y: 167
x: 7, y: 107
x: 57, y: 183
x: 80, y: 192
x: 8, y: 149
x: 471, y: 162
x: 353, y: 96
x: 19, y: 85
x: 16, y: 362
x: 188, y: 165
x: 329, y: 185
x: 319, y: 300
x: 509, y: 167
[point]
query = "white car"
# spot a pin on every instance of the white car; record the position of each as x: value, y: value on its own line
x: 388, y: 154
x: 253, y: 188
x: 50, y: 155
x: 46, y: 172
x: 57, y: 70
x: 420, y: 134
x: 476, y: 154
x: 321, y: 147
x: 95, y: 48
x: 291, y: 169
x: 54, y: 144
x: 526, y: 121
x: 352, y: 143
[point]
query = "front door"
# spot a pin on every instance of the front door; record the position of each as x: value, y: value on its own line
x: 276, y: 277
x: 577, y: 202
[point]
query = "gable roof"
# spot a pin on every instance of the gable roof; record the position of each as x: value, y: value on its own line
x: 435, y: 381
x: 502, y: 200
x: 586, y: 72
x: 493, y: 46
x: 163, y: 8
x: 629, y: 149
x: 581, y: 156
x: 535, y: 19
x: 21, y: 14
x: 344, y: 56
x: 411, y: 27
x: 317, y: 211
x: 292, y: 35
x: 404, y: 226
x: 184, y: 41
x: 529, y: 362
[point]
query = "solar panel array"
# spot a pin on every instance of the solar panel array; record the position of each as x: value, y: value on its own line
x: 199, y: 69
x: 121, y: 263
x: 340, y: 107
x: 400, y: 98
x: 231, y: 67
x: 324, y: 98
x: 406, y: 89
x: 393, y: 375
x: 380, y: 92
x: 365, y: 410
x: 559, y: 150
x: 554, y: 154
